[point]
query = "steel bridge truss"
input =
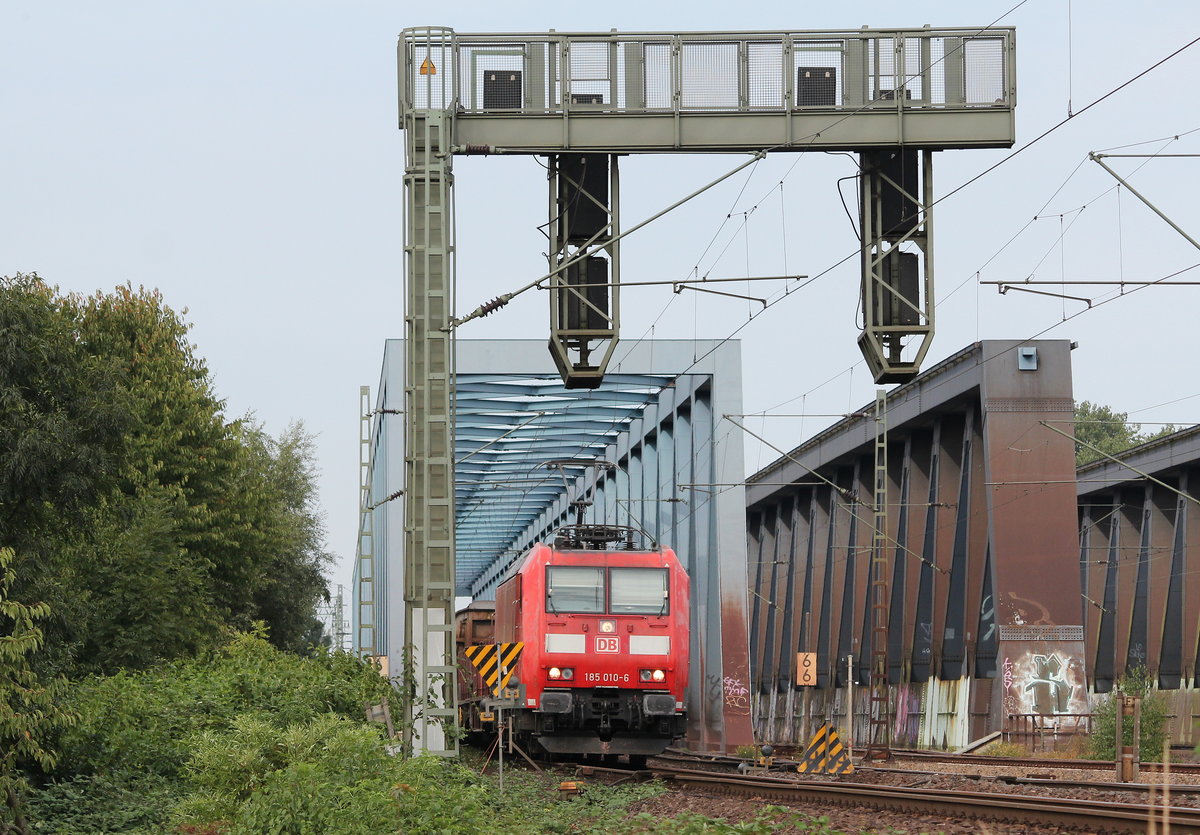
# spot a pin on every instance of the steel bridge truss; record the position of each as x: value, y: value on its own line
x: 643, y: 449
x: 977, y: 538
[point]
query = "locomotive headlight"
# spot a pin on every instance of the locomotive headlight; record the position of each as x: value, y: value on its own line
x: 658, y: 675
x: 555, y: 673
x: 652, y: 675
x: 608, y: 626
x: 568, y: 673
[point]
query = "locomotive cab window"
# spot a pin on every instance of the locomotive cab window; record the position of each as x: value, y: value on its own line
x: 639, y: 591
x: 574, y: 589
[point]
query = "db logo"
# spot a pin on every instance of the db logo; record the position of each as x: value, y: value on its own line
x: 608, y: 643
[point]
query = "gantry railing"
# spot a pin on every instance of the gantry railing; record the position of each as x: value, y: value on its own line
x: 655, y: 73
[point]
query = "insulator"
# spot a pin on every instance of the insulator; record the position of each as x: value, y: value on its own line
x: 494, y: 305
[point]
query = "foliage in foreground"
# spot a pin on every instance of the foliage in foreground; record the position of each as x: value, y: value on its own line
x: 121, y: 767
x: 330, y: 777
x: 250, y: 740
x: 334, y: 777
x: 1102, y: 744
x: 29, y: 708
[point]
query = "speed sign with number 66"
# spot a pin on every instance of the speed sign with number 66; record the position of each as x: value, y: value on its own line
x: 806, y: 669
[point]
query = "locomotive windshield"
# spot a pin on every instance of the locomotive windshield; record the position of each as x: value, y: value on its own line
x: 574, y: 589
x: 639, y: 591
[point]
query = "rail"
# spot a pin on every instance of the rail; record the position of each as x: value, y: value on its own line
x: 1090, y: 815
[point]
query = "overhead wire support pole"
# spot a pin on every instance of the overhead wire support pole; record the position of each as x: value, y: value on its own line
x: 431, y: 695
x: 880, y: 746
x: 365, y: 639
x: 1099, y: 160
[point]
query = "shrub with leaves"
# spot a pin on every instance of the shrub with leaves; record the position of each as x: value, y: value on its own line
x: 120, y: 767
x: 328, y: 775
x: 29, y: 709
x: 1137, y: 683
x: 140, y: 722
x: 100, y: 805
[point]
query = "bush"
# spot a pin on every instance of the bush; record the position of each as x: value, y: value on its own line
x: 329, y: 775
x: 97, y: 805
x: 1136, y: 683
x: 120, y: 767
x: 139, y: 723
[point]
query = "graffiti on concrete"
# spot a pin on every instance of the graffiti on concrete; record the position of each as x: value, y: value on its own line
x: 1044, y: 682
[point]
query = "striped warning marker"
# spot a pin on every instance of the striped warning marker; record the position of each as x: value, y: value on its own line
x: 825, y: 754
x: 496, y: 663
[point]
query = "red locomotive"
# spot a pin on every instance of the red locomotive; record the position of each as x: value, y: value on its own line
x: 604, y: 669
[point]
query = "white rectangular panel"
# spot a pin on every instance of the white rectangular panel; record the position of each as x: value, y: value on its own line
x: 649, y: 645
x: 565, y: 643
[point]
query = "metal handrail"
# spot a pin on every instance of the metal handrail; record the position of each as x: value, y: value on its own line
x: 655, y: 73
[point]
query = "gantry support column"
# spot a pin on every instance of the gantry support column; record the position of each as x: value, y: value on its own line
x: 429, y: 433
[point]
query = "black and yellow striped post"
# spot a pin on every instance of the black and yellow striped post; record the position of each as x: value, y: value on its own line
x: 825, y: 754
x: 496, y: 663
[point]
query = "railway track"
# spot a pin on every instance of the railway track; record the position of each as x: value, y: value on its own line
x: 728, y: 764
x: 1085, y: 815
x: 1036, y: 763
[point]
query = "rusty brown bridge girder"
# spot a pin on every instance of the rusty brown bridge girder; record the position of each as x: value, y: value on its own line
x: 1139, y: 541
x: 985, y: 596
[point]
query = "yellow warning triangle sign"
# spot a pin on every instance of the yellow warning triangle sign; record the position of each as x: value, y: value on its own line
x: 825, y: 754
x: 496, y: 663
x: 427, y: 67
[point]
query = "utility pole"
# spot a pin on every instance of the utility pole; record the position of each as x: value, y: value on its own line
x: 879, y: 747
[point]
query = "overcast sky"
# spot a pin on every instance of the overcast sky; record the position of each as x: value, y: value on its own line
x: 243, y: 157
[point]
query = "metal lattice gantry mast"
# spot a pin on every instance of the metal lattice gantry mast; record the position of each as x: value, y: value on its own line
x: 893, y: 96
x: 365, y: 613
x: 428, y: 411
x: 880, y: 743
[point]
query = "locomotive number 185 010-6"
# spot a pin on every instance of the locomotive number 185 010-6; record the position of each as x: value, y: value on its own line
x: 612, y: 678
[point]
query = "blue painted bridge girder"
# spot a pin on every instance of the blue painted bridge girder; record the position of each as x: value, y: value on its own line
x: 653, y: 417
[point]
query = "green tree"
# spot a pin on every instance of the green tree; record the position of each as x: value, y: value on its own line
x: 1110, y: 432
x: 29, y: 709
x: 63, y: 412
x: 149, y: 522
x: 293, y: 583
